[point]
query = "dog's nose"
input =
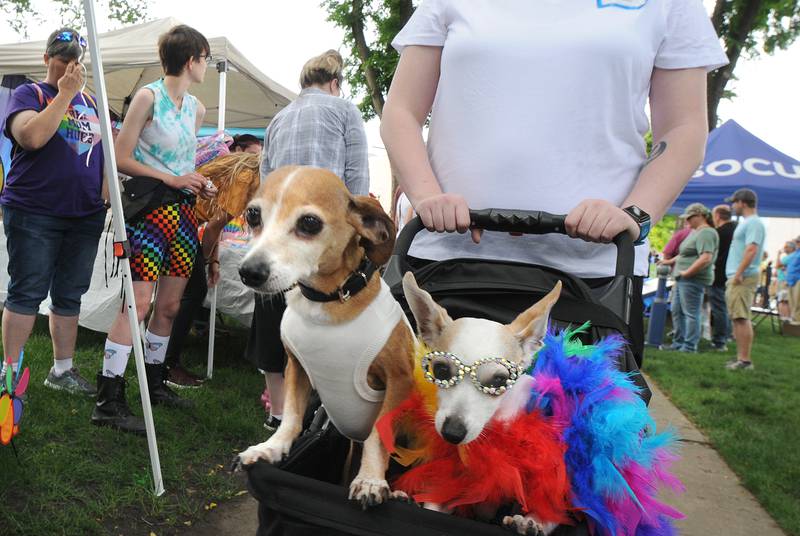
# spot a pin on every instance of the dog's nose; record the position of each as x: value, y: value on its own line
x: 453, y: 430
x: 253, y: 272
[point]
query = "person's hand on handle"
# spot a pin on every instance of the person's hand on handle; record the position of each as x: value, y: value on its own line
x: 72, y: 81
x: 193, y: 182
x: 446, y: 213
x: 596, y: 220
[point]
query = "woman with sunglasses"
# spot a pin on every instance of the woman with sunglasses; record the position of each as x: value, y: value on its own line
x: 53, y: 209
x: 158, y: 141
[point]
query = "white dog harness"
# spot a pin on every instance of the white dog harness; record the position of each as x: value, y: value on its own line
x: 336, y: 358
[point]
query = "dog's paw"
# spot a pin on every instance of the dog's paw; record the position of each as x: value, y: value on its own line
x: 369, y: 491
x: 402, y: 496
x: 272, y: 451
x: 528, y: 525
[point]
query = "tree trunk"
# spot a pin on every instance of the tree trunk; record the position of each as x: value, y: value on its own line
x: 741, y: 25
x: 357, y: 27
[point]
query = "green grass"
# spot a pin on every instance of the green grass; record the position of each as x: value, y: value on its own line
x: 751, y: 417
x: 74, y: 478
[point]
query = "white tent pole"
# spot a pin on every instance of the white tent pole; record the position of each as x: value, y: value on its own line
x: 222, y: 69
x: 119, y: 231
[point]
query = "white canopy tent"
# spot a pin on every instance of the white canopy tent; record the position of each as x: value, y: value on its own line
x: 130, y: 60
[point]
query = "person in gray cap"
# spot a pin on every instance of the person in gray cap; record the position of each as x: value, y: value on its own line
x: 742, y: 270
x: 694, y: 272
x: 53, y: 208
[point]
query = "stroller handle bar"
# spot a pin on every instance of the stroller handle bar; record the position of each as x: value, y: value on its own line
x: 521, y: 221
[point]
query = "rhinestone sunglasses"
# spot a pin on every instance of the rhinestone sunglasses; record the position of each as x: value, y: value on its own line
x: 490, y: 375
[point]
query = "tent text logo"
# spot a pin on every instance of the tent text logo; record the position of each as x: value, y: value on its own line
x: 755, y: 166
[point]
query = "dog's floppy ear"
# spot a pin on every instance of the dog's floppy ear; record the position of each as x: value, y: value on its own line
x: 431, y: 318
x: 530, y: 326
x: 374, y: 226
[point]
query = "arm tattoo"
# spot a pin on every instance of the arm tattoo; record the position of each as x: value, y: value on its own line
x: 657, y: 150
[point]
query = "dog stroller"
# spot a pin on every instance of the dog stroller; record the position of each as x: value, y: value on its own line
x: 301, y: 496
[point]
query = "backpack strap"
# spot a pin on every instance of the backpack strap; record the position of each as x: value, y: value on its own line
x: 90, y: 98
x: 40, y: 94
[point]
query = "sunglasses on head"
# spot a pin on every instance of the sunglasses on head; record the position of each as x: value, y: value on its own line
x: 67, y: 37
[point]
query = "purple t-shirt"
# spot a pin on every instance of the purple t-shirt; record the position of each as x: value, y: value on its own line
x: 64, y: 178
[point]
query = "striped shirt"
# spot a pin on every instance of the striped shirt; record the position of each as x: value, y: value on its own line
x: 319, y: 130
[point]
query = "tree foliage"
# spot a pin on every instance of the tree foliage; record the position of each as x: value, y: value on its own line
x: 749, y: 27
x: 369, y: 28
x: 21, y: 13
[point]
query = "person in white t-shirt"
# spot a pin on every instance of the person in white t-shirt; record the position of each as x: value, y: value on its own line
x: 541, y: 106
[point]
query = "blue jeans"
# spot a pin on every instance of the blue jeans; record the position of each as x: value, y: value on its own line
x: 49, y: 254
x: 720, y: 323
x: 687, y: 306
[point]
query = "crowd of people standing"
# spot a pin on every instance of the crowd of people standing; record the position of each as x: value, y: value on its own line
x: 712, y: 256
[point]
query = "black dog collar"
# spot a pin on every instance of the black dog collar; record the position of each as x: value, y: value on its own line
x: 355, y: 283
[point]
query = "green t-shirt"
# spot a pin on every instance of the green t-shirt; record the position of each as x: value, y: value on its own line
x: 698, y: 242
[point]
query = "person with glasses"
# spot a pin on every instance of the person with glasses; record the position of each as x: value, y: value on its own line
x: 158, y: 140
x: 53, y: 208
x: 318, y: 129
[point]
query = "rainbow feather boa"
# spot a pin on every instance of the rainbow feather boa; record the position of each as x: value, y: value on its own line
x: 571, y: 439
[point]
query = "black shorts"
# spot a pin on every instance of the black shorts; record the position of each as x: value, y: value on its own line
x: 264, y: 348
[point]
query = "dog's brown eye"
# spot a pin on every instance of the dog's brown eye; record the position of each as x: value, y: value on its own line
x: 493, y: 375
x: 442, y: 371
x: 497, y: 380
x: 253, y: 217
x: 309, y: 225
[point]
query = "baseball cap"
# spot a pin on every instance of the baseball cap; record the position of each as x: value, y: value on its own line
x: 696, y: 209
x: 743, y: 194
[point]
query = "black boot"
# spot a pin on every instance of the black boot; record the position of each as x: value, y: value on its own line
x: 111, y: 408
x: 159, y: 392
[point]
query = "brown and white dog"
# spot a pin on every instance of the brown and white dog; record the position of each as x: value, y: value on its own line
x: 312, y: 239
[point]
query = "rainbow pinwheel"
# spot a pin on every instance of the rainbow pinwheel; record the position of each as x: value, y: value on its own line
x: 11, y: 402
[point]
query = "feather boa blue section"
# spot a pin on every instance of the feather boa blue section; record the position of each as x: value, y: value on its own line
x: 615, y: 458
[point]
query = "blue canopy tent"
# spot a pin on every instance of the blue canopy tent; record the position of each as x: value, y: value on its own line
x: 735, y: 159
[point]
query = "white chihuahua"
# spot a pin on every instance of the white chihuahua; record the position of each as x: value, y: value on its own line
x: 470, y: 349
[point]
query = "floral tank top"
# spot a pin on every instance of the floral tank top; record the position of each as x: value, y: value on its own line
x: 168, y: 143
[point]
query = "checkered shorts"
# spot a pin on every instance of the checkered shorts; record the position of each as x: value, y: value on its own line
x: 164, y: 242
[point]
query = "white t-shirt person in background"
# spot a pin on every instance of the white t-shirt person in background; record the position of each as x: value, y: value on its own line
x: 541, y: 106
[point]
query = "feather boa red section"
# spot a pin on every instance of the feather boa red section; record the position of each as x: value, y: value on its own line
x: 523, y: 459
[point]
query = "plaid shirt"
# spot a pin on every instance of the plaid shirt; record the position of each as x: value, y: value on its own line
x: 319, y: 130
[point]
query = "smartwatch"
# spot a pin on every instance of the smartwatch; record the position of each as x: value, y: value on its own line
x: 642, y: 219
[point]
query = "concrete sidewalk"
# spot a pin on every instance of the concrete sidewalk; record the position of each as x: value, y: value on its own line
x: 715, y: 503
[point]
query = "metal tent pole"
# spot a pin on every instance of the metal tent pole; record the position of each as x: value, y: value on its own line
x: 222, y: 69
x: 121, y: 249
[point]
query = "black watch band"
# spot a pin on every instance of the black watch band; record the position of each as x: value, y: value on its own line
x: 642, y: 219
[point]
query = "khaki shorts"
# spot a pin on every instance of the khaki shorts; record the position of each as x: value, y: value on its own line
x: 739, y: 298
x: 782, y: 293
x: 794, y: 301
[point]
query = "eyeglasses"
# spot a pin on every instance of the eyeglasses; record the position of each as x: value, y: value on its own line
x: 68, y: 37
x: 490, y: 375
x: 208, y: 57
